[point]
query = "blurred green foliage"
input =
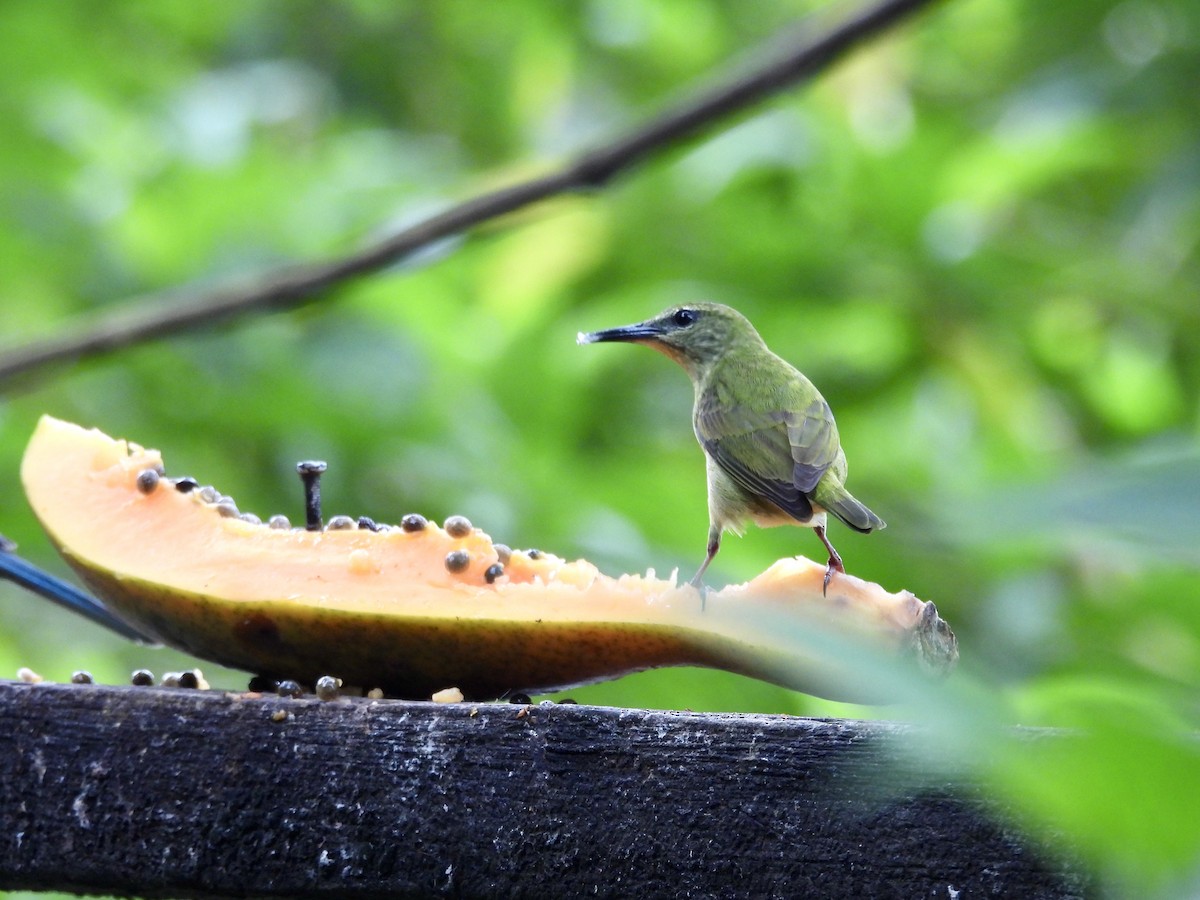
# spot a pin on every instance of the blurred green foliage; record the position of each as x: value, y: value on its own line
x: 979, y: 237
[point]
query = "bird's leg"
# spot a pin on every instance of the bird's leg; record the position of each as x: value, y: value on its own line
x: 835, y: 560
x: 714, y: 544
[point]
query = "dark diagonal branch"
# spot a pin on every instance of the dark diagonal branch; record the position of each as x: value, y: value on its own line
x: 156, y: 315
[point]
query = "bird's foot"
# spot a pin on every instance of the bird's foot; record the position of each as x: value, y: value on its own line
x: 701, y: 589
x: 834, y: 565
x: 835, y: 560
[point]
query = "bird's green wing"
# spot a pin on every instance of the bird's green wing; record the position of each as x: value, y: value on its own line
x: 778, y: 455
x: 814, y: 440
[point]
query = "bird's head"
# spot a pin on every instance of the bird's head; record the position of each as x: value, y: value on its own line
x: 695, y: 335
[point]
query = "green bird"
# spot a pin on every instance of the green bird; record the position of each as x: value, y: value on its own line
x: 772, y: 449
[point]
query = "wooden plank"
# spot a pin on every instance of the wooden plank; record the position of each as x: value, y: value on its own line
x: 160, y: 792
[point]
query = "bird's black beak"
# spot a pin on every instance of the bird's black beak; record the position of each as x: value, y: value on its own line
x: 643, y: 331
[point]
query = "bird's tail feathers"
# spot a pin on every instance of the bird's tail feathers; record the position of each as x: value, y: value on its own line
x: 853, y: 513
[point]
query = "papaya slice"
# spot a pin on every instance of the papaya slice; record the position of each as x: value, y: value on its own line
x: 419, y: 608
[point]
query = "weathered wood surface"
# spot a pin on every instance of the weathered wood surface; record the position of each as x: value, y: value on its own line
x: 175, y: 793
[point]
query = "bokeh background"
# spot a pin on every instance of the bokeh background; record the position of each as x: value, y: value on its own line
x: 978, y: 236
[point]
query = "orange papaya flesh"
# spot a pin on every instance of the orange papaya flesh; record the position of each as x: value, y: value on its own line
x: 384, y: 609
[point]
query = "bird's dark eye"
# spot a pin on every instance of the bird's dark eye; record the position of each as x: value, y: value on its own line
x: 684, y: 317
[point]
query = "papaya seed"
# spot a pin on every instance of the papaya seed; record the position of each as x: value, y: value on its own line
x: 142, y: 678
x: 368, y: 523
x: 279, y: 522
x: 503, y: 553
x: 494, y: 571
x: 340, y: 523
x: 262, y: 684
x: 289, y: 688
x: 328, y: 687
x: 375, y: 694
x: 458, y: 526
x: 209, y: 494
x: 457, y: 560
x: 186, y: 484
x: 519, y: 697
x: 170, y: 679
x: 227, y: 508
x: 569, y: 701
x: 534, y: 554
x: 414, y: 522
x: 251, y: 518
x: 188, y: 680
x: 147, y: 481
x: 82, y: 677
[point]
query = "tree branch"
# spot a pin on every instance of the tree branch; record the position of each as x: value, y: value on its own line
x: 164, y: 313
